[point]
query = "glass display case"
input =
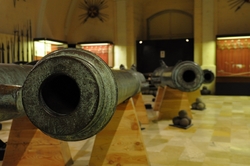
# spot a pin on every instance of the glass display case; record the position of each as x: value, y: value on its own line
x: 233, y: 65
x: 233, y: 56
x: 43, y: 46
x: 102, y: 49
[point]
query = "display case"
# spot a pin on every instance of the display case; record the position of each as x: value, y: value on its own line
x: 104, y: 50
x: 233, y: 65
x: 43, y: 46
x: 233, y: 56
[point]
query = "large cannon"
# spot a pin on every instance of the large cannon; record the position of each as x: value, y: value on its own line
x: 71, y: 94
x: 186, y: 76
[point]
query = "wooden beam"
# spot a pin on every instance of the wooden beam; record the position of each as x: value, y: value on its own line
x: 27, y: 145
x: 173, y: 101
x: 140, y: 109
x: 120, y: 142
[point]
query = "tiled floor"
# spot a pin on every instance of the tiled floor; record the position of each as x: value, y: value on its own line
x: 220, y: 136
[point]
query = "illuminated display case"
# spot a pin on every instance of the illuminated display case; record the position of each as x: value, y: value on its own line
x: 43, y: 46
x: 233, y: 56
x: 233, y: 65
x: 103, y: 49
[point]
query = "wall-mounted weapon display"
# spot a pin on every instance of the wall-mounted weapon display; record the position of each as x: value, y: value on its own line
x: 14, y: 2
x: 237, y: 4
x: 17, y: 48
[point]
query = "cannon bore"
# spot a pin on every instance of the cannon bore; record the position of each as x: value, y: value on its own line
x: 208, y: 76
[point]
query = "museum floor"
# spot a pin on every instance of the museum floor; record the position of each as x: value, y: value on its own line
x: 220, y: 136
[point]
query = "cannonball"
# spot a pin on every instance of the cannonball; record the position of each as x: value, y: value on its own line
x: 200, y: 106
x: 198, y: 100
x: 189, y: 119
x: 194, y: 105
x: 205, y: 91
x: 185, y: 122
x: 182, y: 113
x: 176, y: 120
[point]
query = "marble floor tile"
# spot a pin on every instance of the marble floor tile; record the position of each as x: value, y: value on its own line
x: 220, y: 136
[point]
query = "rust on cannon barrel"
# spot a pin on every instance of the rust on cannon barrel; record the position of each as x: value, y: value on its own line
x: 71, y: 94
x: 186, y: 76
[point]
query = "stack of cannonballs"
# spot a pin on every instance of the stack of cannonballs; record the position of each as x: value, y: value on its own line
x: 198, y: 105
x: 205, y: 91
x: 183, y: 120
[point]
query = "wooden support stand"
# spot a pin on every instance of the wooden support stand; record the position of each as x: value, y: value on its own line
x: 159, y: 96
x: 171, y: 102
x: 140, y: 109
x: 120, y: 143
x: 28, y: 146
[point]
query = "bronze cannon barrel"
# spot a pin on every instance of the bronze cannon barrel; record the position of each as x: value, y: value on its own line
x: 13, y: 74
x: 12, y: 77
x: 208, y: 76
x: 71, y: 94
x: 186, y: 76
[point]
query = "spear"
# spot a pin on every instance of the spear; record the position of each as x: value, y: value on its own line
x: 27, y: 45
x: 2, y: 52
x: 22, y: 45
x: 18, y: 45
x: 14, y: 47
x: 8, y: 52
x: 12, y: 50
x: 31, y: 42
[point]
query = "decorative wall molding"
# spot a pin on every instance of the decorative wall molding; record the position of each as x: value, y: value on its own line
x: 93, y: 9
x: 237, y: 4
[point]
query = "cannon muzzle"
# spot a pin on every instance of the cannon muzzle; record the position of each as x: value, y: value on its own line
x: 208, y: 76
x: 186, y: 76
x: 71, y: 94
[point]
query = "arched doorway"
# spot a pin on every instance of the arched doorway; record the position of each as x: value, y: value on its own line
x: 170, y: 24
